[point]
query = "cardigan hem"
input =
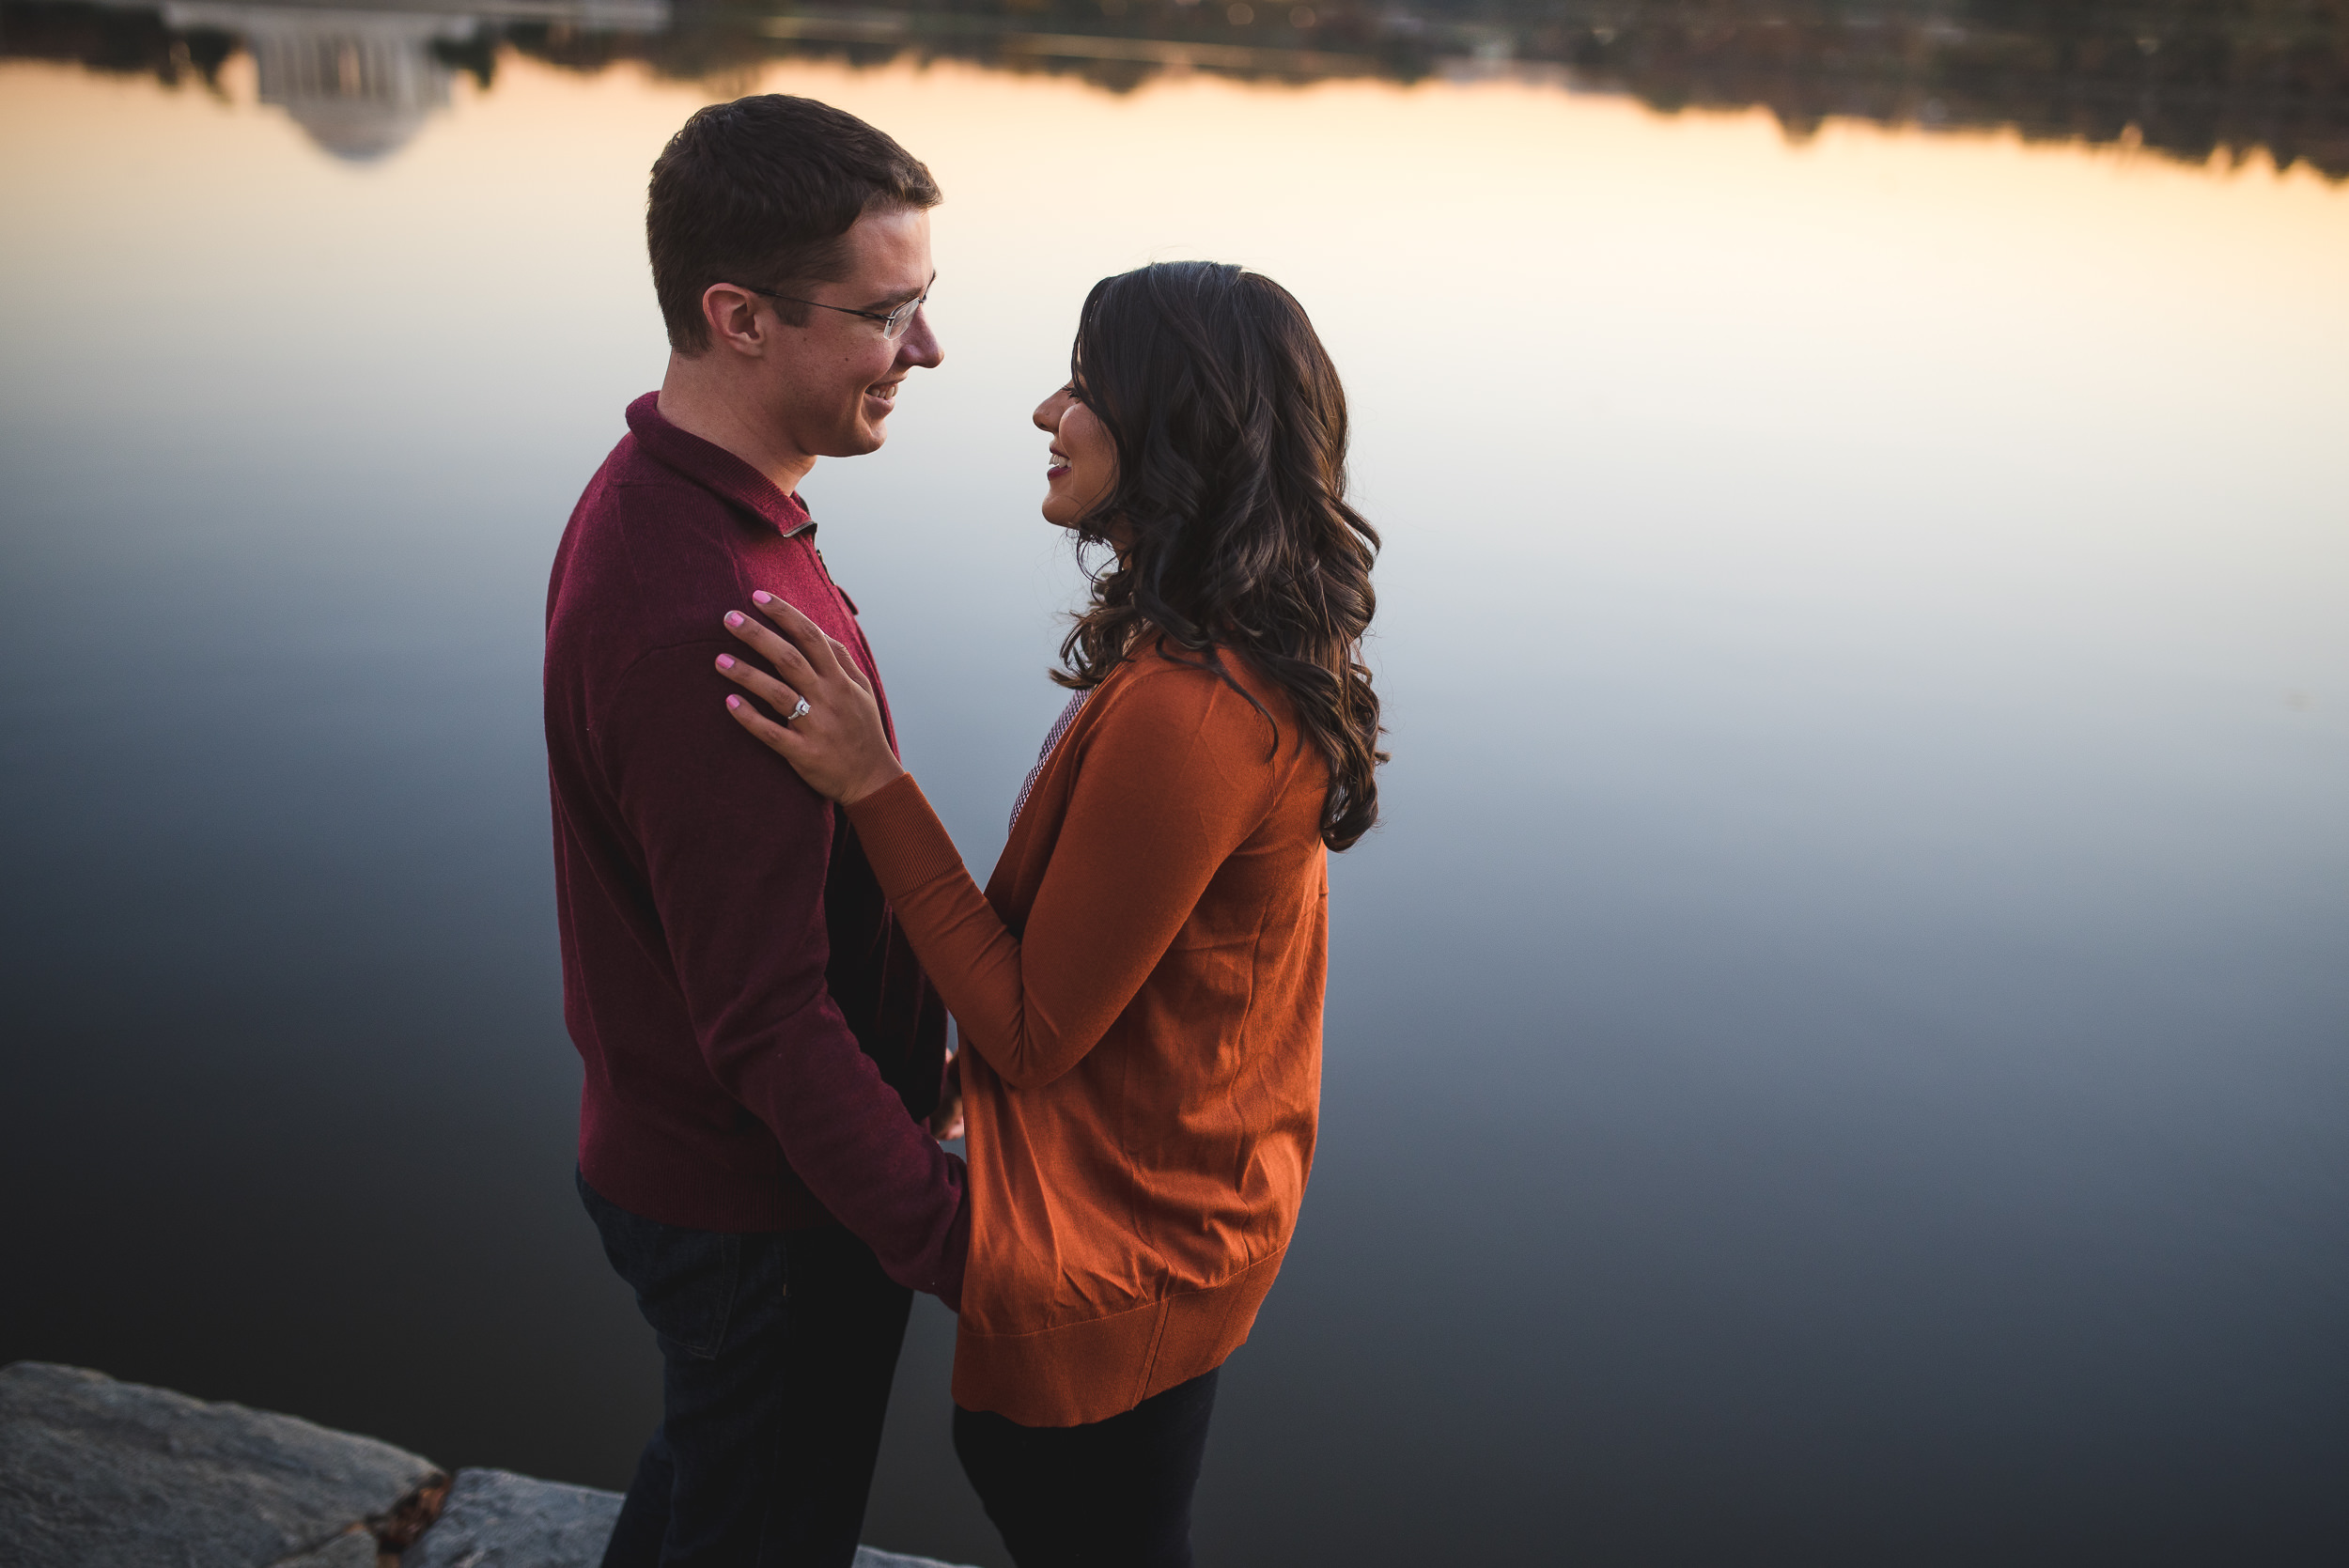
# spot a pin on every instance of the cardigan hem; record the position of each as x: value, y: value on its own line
x: 1076, y: 1374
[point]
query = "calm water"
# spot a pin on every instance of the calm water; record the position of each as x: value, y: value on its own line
x: 1838, y: 1055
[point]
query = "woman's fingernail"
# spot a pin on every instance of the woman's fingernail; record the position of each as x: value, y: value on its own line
x: 734, y: 617
x: 725, y: 661
x: 760, y: 596
x: 734, y: 702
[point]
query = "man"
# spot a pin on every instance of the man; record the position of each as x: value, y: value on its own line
x: 760, y: 1047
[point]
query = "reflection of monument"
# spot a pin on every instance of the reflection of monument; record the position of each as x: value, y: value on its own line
x: 361, y: 83
x: 362, y: 80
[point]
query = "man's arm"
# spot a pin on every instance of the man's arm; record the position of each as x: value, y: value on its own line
x: 736, y: 849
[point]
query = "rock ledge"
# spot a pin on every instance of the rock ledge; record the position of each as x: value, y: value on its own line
x: 100, y: 1474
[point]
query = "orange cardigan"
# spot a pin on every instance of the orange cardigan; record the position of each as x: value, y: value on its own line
x: 1140, y: 993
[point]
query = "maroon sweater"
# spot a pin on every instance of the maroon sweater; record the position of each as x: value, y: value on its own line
x: 759, y: 1041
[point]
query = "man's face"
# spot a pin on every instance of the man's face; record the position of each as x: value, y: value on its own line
x: 832, y: 388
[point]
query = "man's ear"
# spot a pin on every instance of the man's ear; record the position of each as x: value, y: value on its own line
x: 735, y: 322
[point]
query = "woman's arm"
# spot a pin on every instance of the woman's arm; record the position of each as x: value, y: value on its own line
x: 1155, y: 810
x: 1173, y: 778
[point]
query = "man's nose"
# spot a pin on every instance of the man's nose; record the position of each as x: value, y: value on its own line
x: 921, y: 346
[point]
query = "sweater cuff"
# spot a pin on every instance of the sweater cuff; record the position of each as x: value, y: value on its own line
x: 954, y: 1255
x: 906, y: 844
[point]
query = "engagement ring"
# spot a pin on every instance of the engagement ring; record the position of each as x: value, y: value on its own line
x: 798, y: 712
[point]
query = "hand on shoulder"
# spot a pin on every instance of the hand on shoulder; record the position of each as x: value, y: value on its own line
x: 825, y: 721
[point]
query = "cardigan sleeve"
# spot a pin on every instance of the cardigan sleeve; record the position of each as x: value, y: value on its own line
x: 1176, y: 773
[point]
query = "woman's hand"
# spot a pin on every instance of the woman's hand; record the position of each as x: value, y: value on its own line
x: 839, y: 745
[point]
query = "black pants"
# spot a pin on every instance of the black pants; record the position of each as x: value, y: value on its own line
x: 777, y: 1352
x: 1114, y: 1493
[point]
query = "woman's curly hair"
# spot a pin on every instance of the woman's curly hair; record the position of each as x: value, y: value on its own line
x: 1229, y: 506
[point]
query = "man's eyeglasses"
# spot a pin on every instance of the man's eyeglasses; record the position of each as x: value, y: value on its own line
x: 893, y: 324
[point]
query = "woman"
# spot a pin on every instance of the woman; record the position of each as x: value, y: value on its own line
x: 1139, y: 989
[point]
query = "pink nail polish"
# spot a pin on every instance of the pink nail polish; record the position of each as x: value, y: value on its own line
x: 760, y: 596
x: 725, y: 661
x: 734, y: 702
x: 734, y: 617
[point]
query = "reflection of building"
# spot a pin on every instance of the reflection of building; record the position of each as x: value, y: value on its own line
x: 361, y: 83
x: 362, y: 79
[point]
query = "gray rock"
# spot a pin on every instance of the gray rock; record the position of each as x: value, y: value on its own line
x: 100, y: 1474
x: 867, y: 1558
x: 354, y: 1549
x: 497, y: 1519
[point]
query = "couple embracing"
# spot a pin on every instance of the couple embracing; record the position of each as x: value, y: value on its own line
x: 765, y: 928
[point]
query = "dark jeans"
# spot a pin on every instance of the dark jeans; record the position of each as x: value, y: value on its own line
x: 776, y: 1352
x: 1114, y: 1494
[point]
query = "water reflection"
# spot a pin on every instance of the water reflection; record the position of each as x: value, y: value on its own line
x: 361, y: 83
x: 2190, y: 81
x: 1836, y: 1058
x: 361, y: 80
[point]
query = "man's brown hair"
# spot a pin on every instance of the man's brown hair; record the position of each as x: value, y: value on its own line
x: 759, y: 192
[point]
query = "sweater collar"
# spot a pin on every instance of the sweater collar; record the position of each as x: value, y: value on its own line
x: 714, y: 468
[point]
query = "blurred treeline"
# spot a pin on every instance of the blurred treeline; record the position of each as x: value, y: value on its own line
x: 2188, y: 78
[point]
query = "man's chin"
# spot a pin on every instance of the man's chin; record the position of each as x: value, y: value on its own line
x: 855, y: 443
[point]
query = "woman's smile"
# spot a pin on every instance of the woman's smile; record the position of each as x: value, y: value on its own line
x: 1081, y: 467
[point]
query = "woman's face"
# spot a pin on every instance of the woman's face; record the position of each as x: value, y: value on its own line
x: 1083, y: 463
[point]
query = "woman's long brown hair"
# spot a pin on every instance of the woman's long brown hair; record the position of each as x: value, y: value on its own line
x: 1229, y: 508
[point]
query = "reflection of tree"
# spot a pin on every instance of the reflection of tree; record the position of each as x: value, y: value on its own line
x: 121, y: 42
x: 2183, y: 77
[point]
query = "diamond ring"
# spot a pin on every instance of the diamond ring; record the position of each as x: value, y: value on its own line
x: 798, y: 712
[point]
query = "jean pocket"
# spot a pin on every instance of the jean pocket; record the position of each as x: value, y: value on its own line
x: 688, y: 1293
x: 685, y: 1280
